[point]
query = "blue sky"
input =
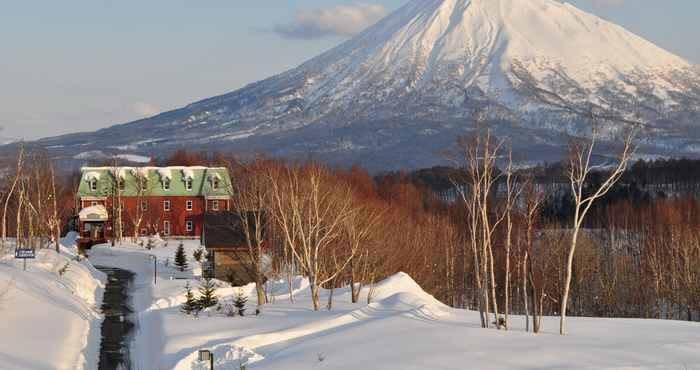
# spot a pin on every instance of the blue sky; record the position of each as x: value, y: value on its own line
x: 78, y: 65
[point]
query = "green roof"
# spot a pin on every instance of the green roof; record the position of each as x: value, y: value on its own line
x: 203, y: 180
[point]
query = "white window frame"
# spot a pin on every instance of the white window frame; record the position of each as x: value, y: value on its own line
x: 189, y: 184
x: 215, y: 184
x: 93, y: 185
x: 144, y: 206
x: 121, y: 184
x: 166, y: 228
x: 189, y: 205
x: 189, y: 226
x: 167, y: 206
x: 166, y: 184
x: 215, y: 205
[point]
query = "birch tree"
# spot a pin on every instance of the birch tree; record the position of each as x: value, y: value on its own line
x: 309, y: 209
x: 249, y: 198
x: 19, y: 165
x: 595, y: 112
x: 482, y: 175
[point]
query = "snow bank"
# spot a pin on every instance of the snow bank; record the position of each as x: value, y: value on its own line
x: 397, y: 296
x: 50, y: 314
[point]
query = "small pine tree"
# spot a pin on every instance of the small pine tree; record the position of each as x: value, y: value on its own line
x: 207, y: 293
x: 198, y: 254
x: 191, y: 305
x: 240, y: 301
x: 181, y: 257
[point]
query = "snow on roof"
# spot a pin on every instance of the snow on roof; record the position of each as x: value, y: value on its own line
x: 94, y: 213
x: 165, y: 173
x: 121, y: 172
x: 91, y: 175
x: 153, y: 168
x: 187, y: 173
x: 142, y: 172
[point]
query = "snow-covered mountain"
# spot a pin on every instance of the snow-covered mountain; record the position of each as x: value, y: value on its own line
x: 399, y: 94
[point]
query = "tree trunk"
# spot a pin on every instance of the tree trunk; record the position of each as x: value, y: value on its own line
x: 567, y: 283
x: 315, y: 294
x: 524, y: 288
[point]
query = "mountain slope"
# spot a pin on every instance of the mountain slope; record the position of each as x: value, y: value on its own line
x: 398, y: 94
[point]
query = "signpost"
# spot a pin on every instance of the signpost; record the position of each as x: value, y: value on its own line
x: 155, y: 269
x: 25, y: 254
x: 206, y: 355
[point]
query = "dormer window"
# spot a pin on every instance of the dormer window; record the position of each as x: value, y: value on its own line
x: 122, y: 184
x: 215, y: 184
x: 166, y: 184
x: 188, y: 184
x: 93, y: 185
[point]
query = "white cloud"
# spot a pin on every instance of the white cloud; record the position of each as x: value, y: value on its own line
x: 340, y: 20
x: 145, y: 109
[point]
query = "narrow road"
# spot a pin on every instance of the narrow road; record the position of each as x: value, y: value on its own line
x: 118, y: 322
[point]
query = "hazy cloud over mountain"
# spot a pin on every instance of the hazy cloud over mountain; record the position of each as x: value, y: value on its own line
x: 607, y: 2
x: 340, y: 20
x: 145, y: 109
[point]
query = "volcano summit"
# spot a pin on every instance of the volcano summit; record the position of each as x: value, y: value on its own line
x: 399, y: 93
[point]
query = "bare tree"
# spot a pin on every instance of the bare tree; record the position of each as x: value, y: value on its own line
x: 513, y: 190
x: 249, y: 200
x: 15, y: 181
x: 309, y: 209
x: 534, y: 197
x: 482, y: 174
x: 142, y: 188
x: 595, y: 112
x: 356, y: 234
x: 116, y: 189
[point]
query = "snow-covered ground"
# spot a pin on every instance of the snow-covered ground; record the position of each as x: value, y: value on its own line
x: 49, y: 314
x: 404, y: 328
x: 45, y: 325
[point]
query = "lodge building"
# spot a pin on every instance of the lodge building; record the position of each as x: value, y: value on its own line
x: 169, y: 201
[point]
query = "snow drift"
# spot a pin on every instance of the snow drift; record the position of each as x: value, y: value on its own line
x: 50, y: 314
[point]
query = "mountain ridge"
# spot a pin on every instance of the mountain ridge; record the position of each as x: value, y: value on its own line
x: 399, y: 93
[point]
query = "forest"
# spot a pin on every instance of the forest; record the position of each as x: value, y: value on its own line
x: 498, y: 244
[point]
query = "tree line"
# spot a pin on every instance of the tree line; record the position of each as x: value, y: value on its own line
x: 502, y: 247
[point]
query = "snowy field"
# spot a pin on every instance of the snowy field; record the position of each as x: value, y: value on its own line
x: 49, y: 314
x: 404, y: 328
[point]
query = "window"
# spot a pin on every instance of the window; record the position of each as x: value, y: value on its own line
x: 214, y: 205
x: 215, y: 184
x: 93, y: 185
x: 189, y: 225
x: 166, y: 228
x: 189, y: 205
x: 188, y: 184
x: 166, y: 184
x: 122, y: 184
x: 93, y: 203
x: 144, y: 205
x: 166, y: 205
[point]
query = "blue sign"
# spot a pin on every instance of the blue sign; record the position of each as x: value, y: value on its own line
x: 25, y: 253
